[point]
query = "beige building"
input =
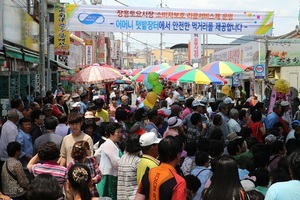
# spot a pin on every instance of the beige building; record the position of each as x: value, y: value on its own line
x: 167, y: 56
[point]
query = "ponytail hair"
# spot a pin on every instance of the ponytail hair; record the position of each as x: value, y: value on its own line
x: 79, y: 177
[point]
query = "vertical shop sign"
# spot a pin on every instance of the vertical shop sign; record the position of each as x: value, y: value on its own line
x: 61, y: 35
x: 195, y: 48
x: 101, y: 47
x: 114, y: 49
x: 88, y: 52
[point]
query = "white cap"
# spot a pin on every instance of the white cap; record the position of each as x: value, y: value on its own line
x: 148, y: 139
x: 228, y: 100
x: 76, y: 105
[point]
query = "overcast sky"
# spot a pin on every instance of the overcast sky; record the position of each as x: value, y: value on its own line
x: 285, y: 16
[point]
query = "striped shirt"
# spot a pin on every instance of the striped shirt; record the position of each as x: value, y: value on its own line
x: 127, y: 172
x: 51, y: 167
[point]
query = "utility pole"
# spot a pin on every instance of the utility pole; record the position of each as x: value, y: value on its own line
x: 48, y: 53
x: 42, y: 48
x: 267, y: 58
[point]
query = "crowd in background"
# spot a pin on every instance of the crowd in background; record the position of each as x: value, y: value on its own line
x: 93, y: 146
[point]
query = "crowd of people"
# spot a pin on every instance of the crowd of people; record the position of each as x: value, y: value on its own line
x: 85, y: 146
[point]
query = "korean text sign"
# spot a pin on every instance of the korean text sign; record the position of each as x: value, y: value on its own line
x: 165, y: 20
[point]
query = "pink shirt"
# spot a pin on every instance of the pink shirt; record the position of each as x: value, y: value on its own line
x: 186, y: 112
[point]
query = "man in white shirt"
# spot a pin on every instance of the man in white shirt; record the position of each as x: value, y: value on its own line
x: 175, y: 94
x: 170, y: 99
x: 232, y: 123
x: 8, y: 134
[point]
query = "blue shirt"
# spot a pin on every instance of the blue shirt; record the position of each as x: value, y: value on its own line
x: 284, y: 190
x: 26, y: 147
x: 203, y: 176
x: 270, y: 120
x: 83, y: 107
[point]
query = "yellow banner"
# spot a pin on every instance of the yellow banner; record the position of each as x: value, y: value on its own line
x: 61, y: 35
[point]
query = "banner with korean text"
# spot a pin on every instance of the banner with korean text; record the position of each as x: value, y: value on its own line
x: 61, y: 34
x: 167, y: 20
x: 195, y: 48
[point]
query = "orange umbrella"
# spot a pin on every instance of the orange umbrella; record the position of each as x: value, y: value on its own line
x: 96, y: 74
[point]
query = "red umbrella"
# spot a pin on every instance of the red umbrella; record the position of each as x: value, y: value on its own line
x: 96, y: 74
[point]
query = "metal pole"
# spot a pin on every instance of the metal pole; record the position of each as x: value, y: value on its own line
x: 122, y: 54
x: 127, y: 44
x: 48, y: 54
x: 42, y: 48
x: 267, y: 58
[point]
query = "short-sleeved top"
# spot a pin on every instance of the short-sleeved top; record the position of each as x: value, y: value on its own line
x: 284, y: 190
x: 147, y: 162
x: 50, y: 167
x: 69, y: 141
x: 163, y: 182
x: 103, y: 114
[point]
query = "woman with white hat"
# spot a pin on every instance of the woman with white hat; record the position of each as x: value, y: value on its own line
x: 174, y: 127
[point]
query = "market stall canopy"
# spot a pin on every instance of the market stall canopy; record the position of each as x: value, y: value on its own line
x: 172, y: 70
x: 139, y: 77
x: 96, y: 74
x: 196, y: 76
x: 224, y: 68
x: 155, y: 68
x: 134, y: 72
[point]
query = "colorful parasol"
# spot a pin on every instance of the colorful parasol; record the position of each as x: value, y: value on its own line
x: 155, y: 68
x: 173, y: 69
x: 134, y: 72
x: 96, y: 74
x: 139, y: 77
x: 196, y: 76
x: 224, y: 68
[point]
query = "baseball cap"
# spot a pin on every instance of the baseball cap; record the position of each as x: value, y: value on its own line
x: 148, y: 139
x: 284, y: 103
x: 212, y: 100
x: 204, y: 100
x: 295, y: 123
x: 48, y: 106
x: 228, y: 100
x: 196, y: 103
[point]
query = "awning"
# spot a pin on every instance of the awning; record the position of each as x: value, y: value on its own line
x: 30, y: 56
x: 13, y: 52
x: 60, y: 64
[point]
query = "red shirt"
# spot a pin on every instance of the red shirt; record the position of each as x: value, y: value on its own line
x: 256, y: 132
